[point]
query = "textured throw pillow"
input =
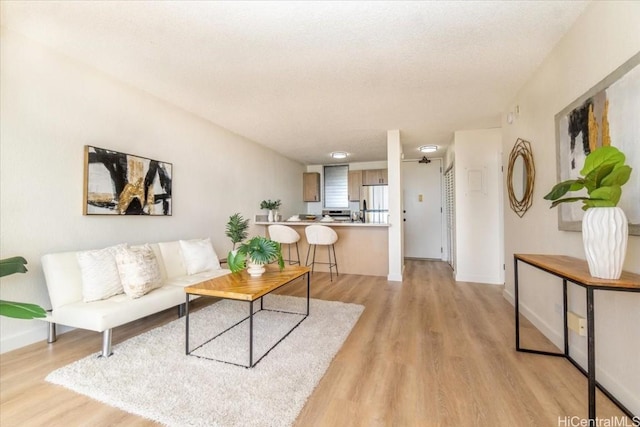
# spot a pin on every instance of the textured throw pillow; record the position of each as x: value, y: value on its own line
x: 139, y: 270
x: 199, y: 255
x: 100, y: 277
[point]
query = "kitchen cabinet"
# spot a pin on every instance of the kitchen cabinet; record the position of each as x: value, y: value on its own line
x: 375, y: 177
x: 310, y: 187
x: 355, y: 182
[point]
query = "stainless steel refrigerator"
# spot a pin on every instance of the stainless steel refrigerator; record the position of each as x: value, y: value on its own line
x: 374, y: 203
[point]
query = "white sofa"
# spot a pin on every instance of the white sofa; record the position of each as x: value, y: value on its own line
x: 64, y: 281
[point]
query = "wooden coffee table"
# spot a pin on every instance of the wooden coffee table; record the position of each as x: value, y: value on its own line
x: 242, y: 287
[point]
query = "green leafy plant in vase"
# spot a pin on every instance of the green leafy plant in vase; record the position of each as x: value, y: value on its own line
x: 272, y: 206
x: 604, y: 226
x: 18, y: 310
x: 255, y: 253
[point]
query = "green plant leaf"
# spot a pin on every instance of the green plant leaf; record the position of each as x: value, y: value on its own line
x: 601, y: 156
x: 562, y: 188
x: 12, y: 265
x: 609, y: 194
x: 619, y: 176
x: 236, y: 261
x: 19, y: 310
x: 567, y: 200
x: 597, y: 203
x: 594, y: 178
x: 260, y: 250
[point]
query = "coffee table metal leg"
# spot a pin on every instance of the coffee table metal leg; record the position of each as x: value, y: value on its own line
x: 186, y: 316
x: 308, y: 280
x: 250, y: 334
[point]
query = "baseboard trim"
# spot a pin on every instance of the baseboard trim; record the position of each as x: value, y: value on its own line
x: 477, y: 279
x: 36, y: 334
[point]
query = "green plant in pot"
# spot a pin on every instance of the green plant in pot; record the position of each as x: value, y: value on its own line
x: 254, y: 253
x: 18, y: 310
x: 604, y: 226
x: 237, y: 229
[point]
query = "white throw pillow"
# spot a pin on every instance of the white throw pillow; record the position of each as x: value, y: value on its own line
x: 139, y: 270
x: 100, y: 277
x: 199, y: 255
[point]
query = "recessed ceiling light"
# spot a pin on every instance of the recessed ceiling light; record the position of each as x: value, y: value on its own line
x: 339, y: 155
x: 428, y: 148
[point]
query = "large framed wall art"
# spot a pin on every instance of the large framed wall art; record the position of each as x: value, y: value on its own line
x: 607, y: 114
x: 123, y: 184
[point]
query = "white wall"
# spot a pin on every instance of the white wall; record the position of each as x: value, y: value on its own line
x: 478, y: 191
x: 51, y: 106
x: 603, y: 38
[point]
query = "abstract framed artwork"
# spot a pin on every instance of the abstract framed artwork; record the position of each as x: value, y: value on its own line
x: 607, y: 114
x: 123, y: 184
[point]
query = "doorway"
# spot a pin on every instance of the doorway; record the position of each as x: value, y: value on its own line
x: 422, y: 191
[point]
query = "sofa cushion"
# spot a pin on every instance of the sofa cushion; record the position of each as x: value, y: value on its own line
x: 139, y: 270
x: 100, y: 277
x: 192, y: 279
x: 115, y: 311
x: 172, y: 258
x: 63, y: 276
x: 199, y: 256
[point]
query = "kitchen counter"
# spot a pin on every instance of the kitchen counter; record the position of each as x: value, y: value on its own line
x: 362, y: 248
x: 328, y: 223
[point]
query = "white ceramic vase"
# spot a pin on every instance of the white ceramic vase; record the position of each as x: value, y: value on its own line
x: 605, y: 232
x: 255, y: 270
x: 270, y: 217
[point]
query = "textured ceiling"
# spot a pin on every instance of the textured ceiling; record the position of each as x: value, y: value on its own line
x: 308, y: 78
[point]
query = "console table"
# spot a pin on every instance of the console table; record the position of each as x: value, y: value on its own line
x: 576, y: 271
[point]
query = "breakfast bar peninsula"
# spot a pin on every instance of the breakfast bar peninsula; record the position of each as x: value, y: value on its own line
x: 362, y: 248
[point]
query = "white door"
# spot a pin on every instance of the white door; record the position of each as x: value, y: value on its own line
x: 422, y: 209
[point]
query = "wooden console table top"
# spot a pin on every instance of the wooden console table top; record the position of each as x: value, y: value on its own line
x: 577, y: 270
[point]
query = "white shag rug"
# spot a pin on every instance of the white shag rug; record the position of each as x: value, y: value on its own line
x: 150, y: 375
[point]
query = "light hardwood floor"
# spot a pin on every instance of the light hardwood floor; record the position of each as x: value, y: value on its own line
x: 425, y: 352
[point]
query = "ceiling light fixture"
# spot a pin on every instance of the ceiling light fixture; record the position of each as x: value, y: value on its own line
x: 428, y: 148
x: 339, y: 155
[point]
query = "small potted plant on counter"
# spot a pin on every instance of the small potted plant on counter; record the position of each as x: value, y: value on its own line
x: 254, y: 254
x: 272, y: 206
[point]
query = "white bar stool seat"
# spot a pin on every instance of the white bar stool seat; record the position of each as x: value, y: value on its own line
x: 285, y: 236
x: 323, y: 236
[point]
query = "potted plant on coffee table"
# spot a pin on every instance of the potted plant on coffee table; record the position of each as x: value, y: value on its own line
x: 604, y: 226
x: 254, y: 254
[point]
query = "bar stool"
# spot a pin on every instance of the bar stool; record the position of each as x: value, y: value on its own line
x: 285, y: 236
x: 325, y: 236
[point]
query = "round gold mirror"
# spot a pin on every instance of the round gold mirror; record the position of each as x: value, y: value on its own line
x: 520, y: 177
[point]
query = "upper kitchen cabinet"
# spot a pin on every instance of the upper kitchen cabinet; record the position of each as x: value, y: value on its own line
x: 375, y: 177
x: 355, y: 182
x: 310, y: 187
